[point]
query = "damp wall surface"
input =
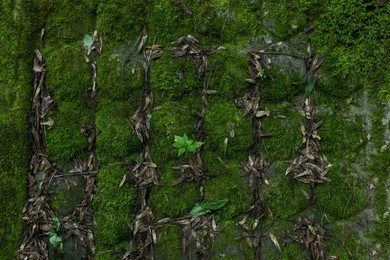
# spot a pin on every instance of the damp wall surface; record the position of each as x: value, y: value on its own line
x: 351, y: 95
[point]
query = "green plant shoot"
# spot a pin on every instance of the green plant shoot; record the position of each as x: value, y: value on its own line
x: 205, y: 208
x: 55, y: 239
x: 184, y: 144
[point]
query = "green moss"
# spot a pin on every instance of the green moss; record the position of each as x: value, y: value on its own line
x: 290, y: 251
x: 283, y: 20
x: 112, y: 210
x: 285, y: 130
x: 219, y: 119
x: 281, y: 86
x: 237, y: 19
x: 227, y: 245
x: 353, y: 36
x: 118, y: 81
x: 166, y: 81
x: 354, y: 246
x: 68, y: 20
x: 229, y: 72
x: 175, y: 201
x: 275, y: 195
x: 379, y: 168
x: 65, y: 200
x: 12, y: 196
x: 345, y: 193
x: 227, y: 184
x: 340, y: 139
x: 381, y: 235
x: 169, y: 242
x: 65, y: 141
x: 120, y: 20
x: 67, y: 78
x: 165, y: 15
x: 172, y: 118
x: 14, y: 135
x: 116, y: 138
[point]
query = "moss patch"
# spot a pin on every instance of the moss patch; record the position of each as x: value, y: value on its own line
x: 112, y: 211
x: 14, y: 135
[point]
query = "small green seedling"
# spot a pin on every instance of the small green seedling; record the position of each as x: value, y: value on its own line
x: 55, y: 239
x: 201, y: 209
x: 184, y: 144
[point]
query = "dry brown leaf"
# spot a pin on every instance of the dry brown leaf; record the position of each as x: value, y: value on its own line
x: 275, y: 241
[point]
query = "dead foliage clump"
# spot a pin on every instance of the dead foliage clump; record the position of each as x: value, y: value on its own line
x: 144, y: 235
x: 96, y: 46
x: 194, y: 171
x: 37, y: 212
x: 144, y: 174
x: 190, y: 47
x: 250, y: 101
x: 198, y: 234
x: 258, y: 65
x: 311, y: 236
x: 310, y: 166
x: 254, y: 169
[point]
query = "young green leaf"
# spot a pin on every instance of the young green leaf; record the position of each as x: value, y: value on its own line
x: 310, y: 86
x: 56, y: 240
x: 198, y: 210
x: 57, y: 223
x: 204, y: 208
x: 181, y: 151
x: 87, y: 41
x: 177, y: 145
x: 179, y: 139
x: 198, y: 144
x: 191, y: 148
x: 185, y: 138
x: 189, y: 142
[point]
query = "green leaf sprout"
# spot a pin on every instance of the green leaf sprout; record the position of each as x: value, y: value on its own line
x: 184, y: 144
x: 205, y: 208
x: 87, y: 41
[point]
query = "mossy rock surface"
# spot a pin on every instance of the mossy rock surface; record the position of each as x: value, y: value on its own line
x: 351, y: 98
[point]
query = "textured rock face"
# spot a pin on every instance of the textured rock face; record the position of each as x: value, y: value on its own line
x: 350, y: 93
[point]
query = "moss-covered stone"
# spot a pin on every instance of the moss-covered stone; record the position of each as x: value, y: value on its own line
x: 116, y: 138
x: 169, y: 242
x: 283, y: 19
x: 14, y: 136
x: 65, y: 140
x: 354, y: 36
x: 172, y: 202
x: 222, y: 118
x: 66, y: 198
x: 229, y: 244
x: 113, y: 209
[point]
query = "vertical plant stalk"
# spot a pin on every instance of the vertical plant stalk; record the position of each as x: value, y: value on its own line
x: 37, y: 212
x: 188, y: 46
x: 198, y: 231
x: 91, y: 46
x: 255, y: 167
x: 311, y: 236
x: 79, y: 223
x: 311, y: 165
x: 144, y: 174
